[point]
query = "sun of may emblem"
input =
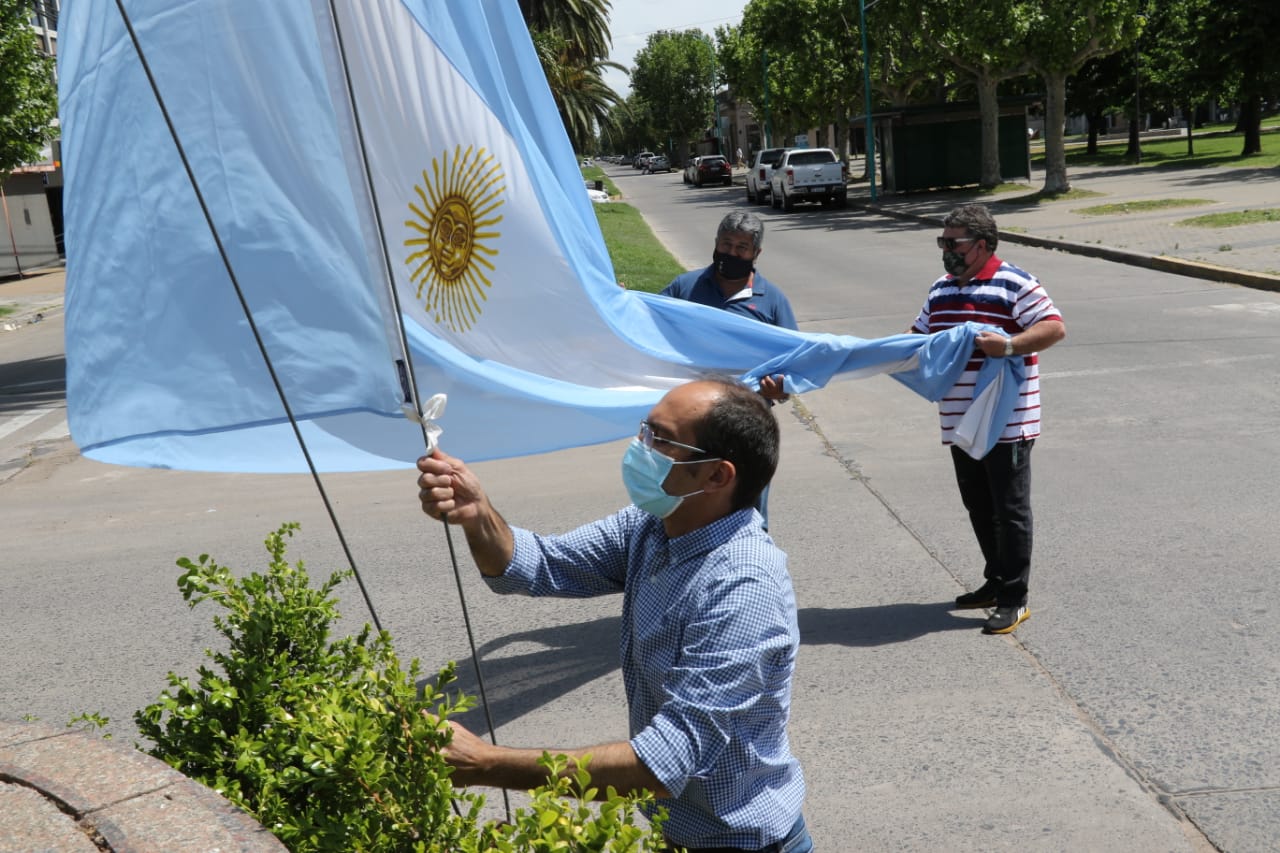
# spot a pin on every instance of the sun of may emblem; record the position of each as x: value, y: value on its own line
x: 454, y: 215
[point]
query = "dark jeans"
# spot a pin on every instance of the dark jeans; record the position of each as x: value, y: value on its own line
x: 996, y: 491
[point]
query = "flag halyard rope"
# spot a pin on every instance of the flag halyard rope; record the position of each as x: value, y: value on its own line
x: 244, y: 305
x: 409, y: 380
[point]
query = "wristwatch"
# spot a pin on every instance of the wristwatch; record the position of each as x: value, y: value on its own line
x: 1008, y: 347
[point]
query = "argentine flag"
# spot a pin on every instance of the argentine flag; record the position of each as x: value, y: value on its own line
x: 389, y: 185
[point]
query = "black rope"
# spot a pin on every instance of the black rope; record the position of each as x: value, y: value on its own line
x: 244, y: 305
x: 410, y: 382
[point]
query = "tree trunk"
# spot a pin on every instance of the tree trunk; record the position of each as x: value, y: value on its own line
x: 989, y: 111
x: 1095, y: 122
x: 1055, y: 151
x: 1134, y: 151
x: 842, y: 141
x: 1251, y: 123
x: 1191, y: 148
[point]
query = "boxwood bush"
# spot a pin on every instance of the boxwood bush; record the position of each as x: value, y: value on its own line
x: 331, y: 744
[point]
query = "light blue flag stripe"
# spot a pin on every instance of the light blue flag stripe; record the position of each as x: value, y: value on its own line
x: 162, y: 370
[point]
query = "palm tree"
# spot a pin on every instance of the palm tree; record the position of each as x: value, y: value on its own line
x: 572, y: 40
x: 584, y: 100
x: 583, y: 24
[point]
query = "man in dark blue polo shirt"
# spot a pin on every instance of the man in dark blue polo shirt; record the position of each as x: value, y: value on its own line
x: 732, y: 283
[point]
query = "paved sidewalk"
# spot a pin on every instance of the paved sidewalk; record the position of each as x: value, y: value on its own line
x: 33, y: 297
x: 1156, y: 239
x: 64, y: 790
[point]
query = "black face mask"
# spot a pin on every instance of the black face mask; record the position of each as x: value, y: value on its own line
x: 954, y: 263
x: 731, y: 267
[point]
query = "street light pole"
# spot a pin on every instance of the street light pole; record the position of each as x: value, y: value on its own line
x: 715, y: 113
x: 1137, y: 102
x: 764, y: 75
x: 866, y: 88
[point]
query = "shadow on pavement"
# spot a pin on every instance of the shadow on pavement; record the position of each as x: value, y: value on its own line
x: 881, y: 625
x: 567, y: 657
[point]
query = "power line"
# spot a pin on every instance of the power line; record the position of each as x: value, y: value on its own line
x: 699, y: 24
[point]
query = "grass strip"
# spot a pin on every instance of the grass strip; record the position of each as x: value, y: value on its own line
x: 1139, y: 206
x: 1211, y: 149
x: 639, y: 261
x: 1040, y: 197
x: 1232, y: 218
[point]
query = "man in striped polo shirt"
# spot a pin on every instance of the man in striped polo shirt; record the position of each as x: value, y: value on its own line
x: 995, y: 489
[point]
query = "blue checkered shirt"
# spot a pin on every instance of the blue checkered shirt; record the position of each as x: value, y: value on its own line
x: 708, y: 648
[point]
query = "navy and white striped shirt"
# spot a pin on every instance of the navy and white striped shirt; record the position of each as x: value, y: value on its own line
x: 1000, y: 295
x: 708, y: 648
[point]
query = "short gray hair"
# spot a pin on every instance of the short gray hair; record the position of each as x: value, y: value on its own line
x: 743, y: 222
x: 977, y: 220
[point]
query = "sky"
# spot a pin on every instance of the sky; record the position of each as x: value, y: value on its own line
x: 631, y: 22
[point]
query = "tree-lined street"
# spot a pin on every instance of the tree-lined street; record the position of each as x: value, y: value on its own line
x: 1143, y: 688
x: 820, y: 67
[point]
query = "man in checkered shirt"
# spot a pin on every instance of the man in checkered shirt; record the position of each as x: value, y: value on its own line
x: 709, y: 635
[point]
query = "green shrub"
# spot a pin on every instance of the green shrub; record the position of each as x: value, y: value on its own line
x: 326, y: 743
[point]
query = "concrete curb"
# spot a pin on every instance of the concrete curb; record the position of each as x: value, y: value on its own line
x: 1161, y: 263
x: 67, y: 790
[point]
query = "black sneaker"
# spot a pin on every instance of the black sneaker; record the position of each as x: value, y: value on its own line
x: 1005, y: 619
x: 983, y: 596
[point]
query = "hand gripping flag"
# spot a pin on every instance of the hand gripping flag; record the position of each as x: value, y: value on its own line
x: 389, y: 184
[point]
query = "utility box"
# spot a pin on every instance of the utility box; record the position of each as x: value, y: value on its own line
x: 923, y: 148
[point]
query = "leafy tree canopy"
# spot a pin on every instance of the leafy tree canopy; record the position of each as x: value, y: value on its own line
x: 674, y: 75
x: 28, y: 98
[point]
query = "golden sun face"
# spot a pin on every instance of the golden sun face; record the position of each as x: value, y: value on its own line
x: 455, y: 211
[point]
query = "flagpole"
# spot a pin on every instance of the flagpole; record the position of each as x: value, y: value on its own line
x: 408, y: 379
x: 244, y: 305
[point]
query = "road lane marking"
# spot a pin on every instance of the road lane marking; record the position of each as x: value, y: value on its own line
x: 30, y: 416
x: 1163, y: 365
x: 57, y: 432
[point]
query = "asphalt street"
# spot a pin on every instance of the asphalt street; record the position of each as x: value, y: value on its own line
x: 1136, y: 710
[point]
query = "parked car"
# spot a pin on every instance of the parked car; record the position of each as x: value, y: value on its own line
x: 808, y: 174
x: 709, y: 168
x: 690, y: 166
x: 642, y: 160
x: 658, y: 163
x: 760, y: 173
x: 595, y: 192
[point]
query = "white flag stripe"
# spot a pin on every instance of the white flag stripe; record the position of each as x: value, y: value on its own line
x: 428, y: 134
x: 23, y: 420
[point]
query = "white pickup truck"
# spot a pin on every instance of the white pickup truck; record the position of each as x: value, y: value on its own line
x: 808, y: 174
x: 761, y: 171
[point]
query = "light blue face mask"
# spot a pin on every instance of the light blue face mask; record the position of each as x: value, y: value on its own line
x: 644, y: 470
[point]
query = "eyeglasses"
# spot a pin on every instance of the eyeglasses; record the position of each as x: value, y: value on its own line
x: 952, y: 243
x: 648, y: 439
